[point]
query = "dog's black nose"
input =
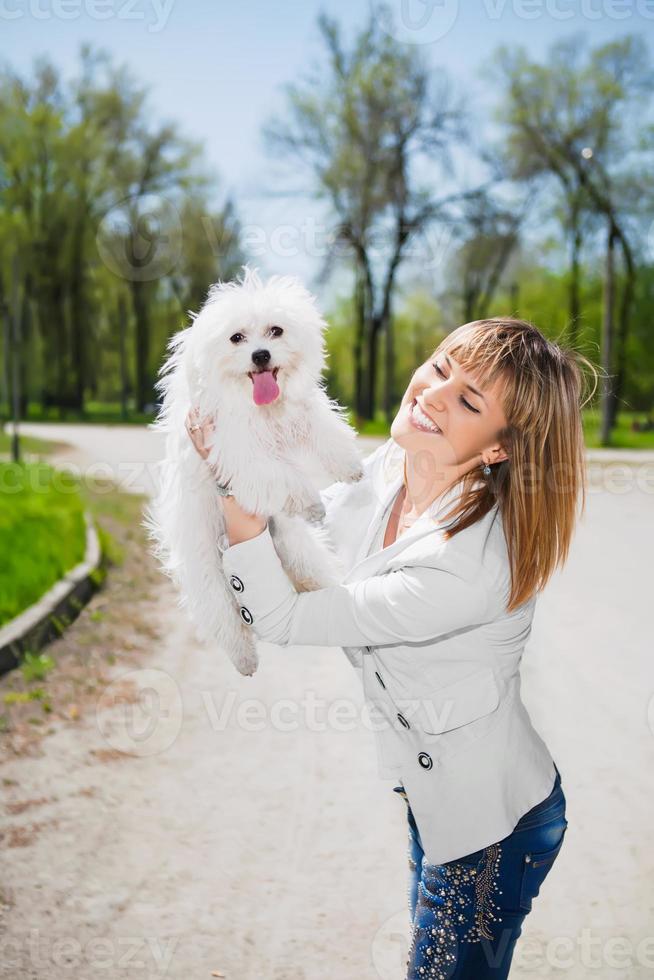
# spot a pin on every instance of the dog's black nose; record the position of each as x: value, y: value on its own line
x: 261, y: 357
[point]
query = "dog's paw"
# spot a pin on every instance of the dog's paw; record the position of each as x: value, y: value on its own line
x: 356, y: 475
x: 247, y: 664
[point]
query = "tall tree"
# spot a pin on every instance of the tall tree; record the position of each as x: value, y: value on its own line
x: 90, y: 190
x: 574, y: 118
x: 489, y: 233
x: 211, y: 252
x: 368, y: 124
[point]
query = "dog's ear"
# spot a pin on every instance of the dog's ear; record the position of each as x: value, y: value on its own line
x: 192, y: 375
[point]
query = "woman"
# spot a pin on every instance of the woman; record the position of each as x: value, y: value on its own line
x: 459, y: 521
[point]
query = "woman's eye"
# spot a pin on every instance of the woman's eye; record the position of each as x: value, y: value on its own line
x: 467, y: 404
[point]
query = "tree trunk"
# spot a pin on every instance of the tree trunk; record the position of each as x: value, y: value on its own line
x: 373, y: 346
x: 15, y: 358
x: 386, y: 317
x: 122, y: 333
x: 505, y: 247
x: 607, y: 336
x: 6, y: 349
x: 60, y: 341
x: 25, y: 338
x: 575, y: 254
x: 142, y: 326
x: 359, y: 343
x: 389, y: 388
x: 514, y: 293
x: 626, y: 304
x: 78, y: 321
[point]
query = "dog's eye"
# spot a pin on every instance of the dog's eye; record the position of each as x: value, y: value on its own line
x: 276, y: 331
x: 236, y: 338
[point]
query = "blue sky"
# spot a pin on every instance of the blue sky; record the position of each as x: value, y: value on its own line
x: 219, y: 70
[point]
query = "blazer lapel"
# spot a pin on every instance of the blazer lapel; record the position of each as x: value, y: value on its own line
x: 386, y: 478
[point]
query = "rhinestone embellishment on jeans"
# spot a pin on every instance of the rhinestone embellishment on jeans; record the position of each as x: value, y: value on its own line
x: 451, y: 895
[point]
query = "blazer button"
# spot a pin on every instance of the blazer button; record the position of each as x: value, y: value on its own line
x: 246, y: 615
x: 236, y: 583
x: 380, y: 680
x: 403, y: 720
x: 425, y: 760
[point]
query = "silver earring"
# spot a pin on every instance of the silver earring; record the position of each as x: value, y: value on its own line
x: 486, y: 470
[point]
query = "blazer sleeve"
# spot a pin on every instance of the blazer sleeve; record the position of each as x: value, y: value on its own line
x: 409, y: 604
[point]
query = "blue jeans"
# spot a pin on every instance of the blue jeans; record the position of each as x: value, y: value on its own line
x: 467, y: 914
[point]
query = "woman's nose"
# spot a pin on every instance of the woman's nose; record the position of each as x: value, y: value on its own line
x: 434, y: 399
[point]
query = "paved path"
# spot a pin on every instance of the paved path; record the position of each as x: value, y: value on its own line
x: 279, y: 854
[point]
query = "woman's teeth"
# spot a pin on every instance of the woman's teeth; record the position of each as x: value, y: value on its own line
x: 422, y: 420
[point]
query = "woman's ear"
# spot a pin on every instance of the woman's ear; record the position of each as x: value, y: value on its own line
x: 498, y: 454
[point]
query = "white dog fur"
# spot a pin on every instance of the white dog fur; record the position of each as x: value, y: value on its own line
x: 274, y: 454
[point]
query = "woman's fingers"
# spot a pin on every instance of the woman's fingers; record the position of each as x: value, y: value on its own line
x: 199, y: 430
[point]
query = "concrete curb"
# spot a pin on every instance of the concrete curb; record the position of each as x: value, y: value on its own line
x: 42, y: 622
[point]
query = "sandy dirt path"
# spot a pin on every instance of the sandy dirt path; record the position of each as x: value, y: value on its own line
x: 259, y: 842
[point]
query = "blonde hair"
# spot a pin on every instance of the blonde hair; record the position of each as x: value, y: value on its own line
x: 538, y: 486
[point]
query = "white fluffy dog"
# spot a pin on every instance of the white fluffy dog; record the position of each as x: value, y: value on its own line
x: 251, y: 361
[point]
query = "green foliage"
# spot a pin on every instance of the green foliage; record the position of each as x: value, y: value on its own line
x: 28, y: 444
x: 23, y: 697
x: 97, y: 576
x: 622, y: 436
x: 42, y: 532
x: 375, y: 128
x: 35, y: 666
x: 542, y: 298
x: 84, y: 163
x: 111, y: 550
x: 640, y: 347
x: 92, y: 183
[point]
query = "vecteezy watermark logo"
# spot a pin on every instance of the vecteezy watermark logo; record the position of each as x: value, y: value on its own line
x: 140, y: 712
x: 140, y: 238
x: 427, y: 246
x: 650, y: 714
x: 562, y: 10
x: 389, y: 949
x: 38, y: 952
x: 155, y: 12
x: 418, y: 21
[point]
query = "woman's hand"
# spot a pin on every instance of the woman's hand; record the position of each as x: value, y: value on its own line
x: 200, y: 431
x: 241, y: 526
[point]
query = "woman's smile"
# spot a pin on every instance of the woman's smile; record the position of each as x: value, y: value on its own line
x: 421, y: 421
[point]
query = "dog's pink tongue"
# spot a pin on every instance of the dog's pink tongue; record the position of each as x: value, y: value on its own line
x: 266, y: 388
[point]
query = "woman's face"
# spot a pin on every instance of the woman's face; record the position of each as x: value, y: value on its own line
x: 469, y: 423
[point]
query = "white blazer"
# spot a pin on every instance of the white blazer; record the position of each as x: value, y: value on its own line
x: 424, y: 624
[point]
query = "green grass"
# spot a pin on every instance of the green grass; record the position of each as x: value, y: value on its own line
x: 42, y: 532
x: 621, y: 436
x: 36, y: 666
x: 29, y: 444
